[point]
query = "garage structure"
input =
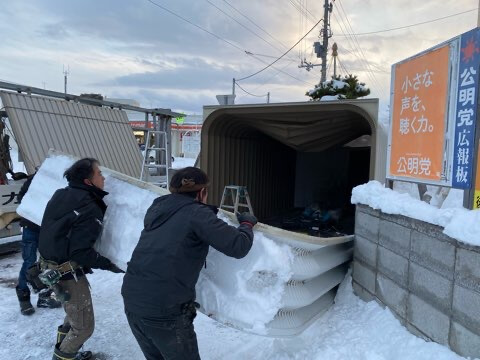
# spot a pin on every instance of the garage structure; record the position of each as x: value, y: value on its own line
x: 292, y: 155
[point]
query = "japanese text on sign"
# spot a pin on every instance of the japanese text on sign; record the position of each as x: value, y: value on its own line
x: 466, y: 110
x: 418, y: 116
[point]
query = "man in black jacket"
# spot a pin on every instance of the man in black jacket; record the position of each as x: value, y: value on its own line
x: 159, y: 286
x: 30, y: 234
x: 71, y: 224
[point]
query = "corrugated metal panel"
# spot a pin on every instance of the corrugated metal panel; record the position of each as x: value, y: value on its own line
x: 41, y: 123
x: 256, y: 145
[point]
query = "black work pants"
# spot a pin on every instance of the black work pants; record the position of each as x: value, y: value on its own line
x: 169, y: 337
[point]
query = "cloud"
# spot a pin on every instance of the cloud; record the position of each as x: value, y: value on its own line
x: 125, y: 48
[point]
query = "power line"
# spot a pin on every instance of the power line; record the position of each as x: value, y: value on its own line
x: 224, y: 40
x: 271, y: 77
x: 254, y: 23
x: 362, y: 53
x: 283, y: 72
x: 242, y: 25
x: 411, y: 25
x: 265, y: 68
x: 193, y: 24
x: 249, y: 93
x: 352, y: 42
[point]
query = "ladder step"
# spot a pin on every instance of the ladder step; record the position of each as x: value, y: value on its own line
x: 157, y: 149
x: 228, y: 206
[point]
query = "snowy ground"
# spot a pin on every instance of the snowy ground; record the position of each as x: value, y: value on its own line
x: 351, y: 329
x: 180, y: 162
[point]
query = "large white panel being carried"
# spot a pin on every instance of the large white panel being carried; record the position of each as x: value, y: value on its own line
x: 284, y: 283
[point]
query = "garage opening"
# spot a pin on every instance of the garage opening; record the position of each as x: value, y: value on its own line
x: 299, y: 162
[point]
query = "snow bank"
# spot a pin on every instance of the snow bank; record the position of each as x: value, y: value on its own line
x: 350, y: 330
x: 458, y: 223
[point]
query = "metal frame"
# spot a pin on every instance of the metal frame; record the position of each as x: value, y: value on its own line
x: 85, y: 100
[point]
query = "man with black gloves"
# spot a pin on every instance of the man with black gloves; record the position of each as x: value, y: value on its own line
x: 71, y: 224
x: 159, y: 286
x: 30, y: 234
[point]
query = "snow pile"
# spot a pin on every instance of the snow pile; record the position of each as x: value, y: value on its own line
x: 246, y: 293
x: 182, y: 162
x: 329, y: 98
x: 336, y: 84
x: 350, y: 330
x: 458, y: 223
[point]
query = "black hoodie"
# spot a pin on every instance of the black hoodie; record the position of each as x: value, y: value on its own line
x: 71, y: 224
x: 172, y: 249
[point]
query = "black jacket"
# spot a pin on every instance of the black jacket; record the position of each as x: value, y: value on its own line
x: 71, y: 224
x: 23, y: 190
x: 172, y: 249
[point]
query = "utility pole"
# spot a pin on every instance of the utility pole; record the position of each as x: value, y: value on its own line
x: 326, y: 7
x: 334, y: 55
x: 321, y: 49
x: 478, y: 18
x: 65, y: 76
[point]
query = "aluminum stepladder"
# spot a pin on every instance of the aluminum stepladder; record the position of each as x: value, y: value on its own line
x: 235, y: 194
x: 158, y: 157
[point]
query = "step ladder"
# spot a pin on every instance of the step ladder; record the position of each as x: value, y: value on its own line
x: 232, y: 197
x: 159, y: 180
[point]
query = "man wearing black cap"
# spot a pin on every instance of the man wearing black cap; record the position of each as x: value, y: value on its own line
x: 159, y: 286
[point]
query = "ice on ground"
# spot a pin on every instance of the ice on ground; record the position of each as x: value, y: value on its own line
x: 350, y: 330
x: 458, y: 223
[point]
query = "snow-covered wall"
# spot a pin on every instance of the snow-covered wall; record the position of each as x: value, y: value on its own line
x: 428, y: 279
x: 279, y: 288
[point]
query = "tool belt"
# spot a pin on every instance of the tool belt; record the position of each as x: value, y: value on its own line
x: 68, y: 270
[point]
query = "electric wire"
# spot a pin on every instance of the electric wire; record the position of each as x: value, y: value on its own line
x: 342, y: 66
x: 265, y: 68
x: 249, y: 93
x: 242, y: 25
x: 416, y: 24
x: 368, y: 66
x: 270, y: 78
x: 352, y: 43
x: 222, y: 39
x: 255, y: 24
x: 195, y: 25
x: 363, y: 57
x: 360, y: 55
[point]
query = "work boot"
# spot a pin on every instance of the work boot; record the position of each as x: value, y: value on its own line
x: 26, y: 307
x: 60, y: 355
x: 45, y: 300
x: 62, y: 331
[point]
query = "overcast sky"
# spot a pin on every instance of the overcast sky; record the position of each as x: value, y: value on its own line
x: 134, y: 49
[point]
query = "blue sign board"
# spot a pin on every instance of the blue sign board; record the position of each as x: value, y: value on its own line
x: 466, y: 109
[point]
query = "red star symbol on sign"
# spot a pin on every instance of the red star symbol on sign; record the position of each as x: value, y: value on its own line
x: 469, y: 50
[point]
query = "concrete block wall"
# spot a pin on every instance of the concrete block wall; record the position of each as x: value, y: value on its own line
x: 430, y: 281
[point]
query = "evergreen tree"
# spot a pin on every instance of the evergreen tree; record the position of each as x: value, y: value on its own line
x: 347, y: 87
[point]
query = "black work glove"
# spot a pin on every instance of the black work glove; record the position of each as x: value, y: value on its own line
x: 115, y: 269
x: 246, y: 218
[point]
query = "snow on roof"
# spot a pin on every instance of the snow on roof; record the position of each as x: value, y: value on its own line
x: 458, y: 223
